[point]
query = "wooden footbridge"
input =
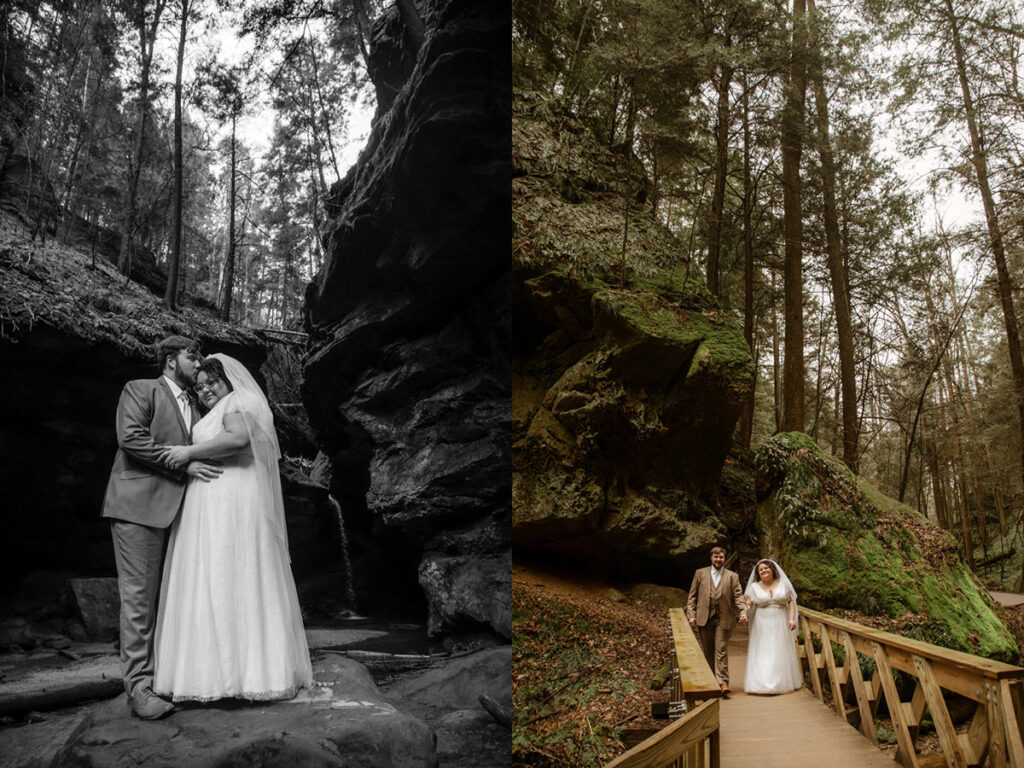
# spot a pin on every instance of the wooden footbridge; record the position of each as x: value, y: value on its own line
x: 800, y: 729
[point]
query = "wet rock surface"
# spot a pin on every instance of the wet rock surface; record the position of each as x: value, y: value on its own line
x: 406, y: 379
x: 425, y: 713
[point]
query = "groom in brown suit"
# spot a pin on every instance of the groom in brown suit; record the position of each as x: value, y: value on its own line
x: 713, y: 607
x: 143, y: 498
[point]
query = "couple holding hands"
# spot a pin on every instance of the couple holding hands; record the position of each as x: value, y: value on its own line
x: 716, y: 604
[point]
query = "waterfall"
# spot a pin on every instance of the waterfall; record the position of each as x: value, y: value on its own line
x: 350, y: 591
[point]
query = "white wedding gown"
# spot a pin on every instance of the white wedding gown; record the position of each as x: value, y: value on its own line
x: 772, y: 663
x: 229, y: 623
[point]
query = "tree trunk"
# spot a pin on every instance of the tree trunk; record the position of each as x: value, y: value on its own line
x: 776, y: 372
x: 147, y: 39
x: 792, y: 140
x: 995, y: 233
x: 721, y: 168
x: 174, y: 263
x: 747, y: 417
x: 228, y: 287
x: 836, y: 263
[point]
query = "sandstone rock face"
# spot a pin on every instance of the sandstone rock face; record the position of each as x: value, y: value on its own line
x: 406, y: 380
x: 845, y: 546
x: 627, y: 379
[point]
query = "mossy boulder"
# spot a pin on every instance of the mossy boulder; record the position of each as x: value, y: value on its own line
x: 846, y: 546
x: 628, y: 380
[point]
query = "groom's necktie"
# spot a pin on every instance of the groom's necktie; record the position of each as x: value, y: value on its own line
x: 185, y: 407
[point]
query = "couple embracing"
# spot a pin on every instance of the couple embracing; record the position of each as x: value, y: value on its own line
x: 210, y: 611
x: 715, y: 605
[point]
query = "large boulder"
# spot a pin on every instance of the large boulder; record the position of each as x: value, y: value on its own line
x: 628, y: 381
x: 406, y: 379
x: 846, y: 546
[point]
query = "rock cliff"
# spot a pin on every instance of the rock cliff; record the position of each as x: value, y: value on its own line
x: 846, y: 546
x: 628, y: 380
x: 406, y: 379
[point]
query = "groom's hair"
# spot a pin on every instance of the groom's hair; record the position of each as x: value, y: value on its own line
x: 717, y: 551
x: 172, y: 345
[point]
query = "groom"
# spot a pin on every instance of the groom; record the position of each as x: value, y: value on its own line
x: 714, y: 603
x: 143, y: 497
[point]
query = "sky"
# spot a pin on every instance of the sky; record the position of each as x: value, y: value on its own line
x: 256, y: 128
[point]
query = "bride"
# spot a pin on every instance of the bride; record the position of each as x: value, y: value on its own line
x: 772, y: 663
x: 229, y: 622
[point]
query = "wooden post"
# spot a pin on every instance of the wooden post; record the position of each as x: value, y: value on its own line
x: 812, y: 657
x: 996, y: 734
x: 892, y: 698
x: 833, y: 674
x: 1011, y: 721
x: 860, y: 690
x: 955, y: 757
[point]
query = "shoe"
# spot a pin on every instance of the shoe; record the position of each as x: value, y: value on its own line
x: 725, y: 690
x: 146, y: 705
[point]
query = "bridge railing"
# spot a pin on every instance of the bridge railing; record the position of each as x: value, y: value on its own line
x: 693, y: 740
x: 996, y: 729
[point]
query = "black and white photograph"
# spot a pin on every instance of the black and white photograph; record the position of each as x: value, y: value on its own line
x: 255, y: 449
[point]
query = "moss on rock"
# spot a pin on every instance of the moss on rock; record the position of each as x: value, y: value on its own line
x: 628, y: 380
x: 846, y: 546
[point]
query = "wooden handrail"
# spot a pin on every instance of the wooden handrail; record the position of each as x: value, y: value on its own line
x: 674, y: 741
x: 977, y: 664
x: 695, y: 678
x: 996, y: 732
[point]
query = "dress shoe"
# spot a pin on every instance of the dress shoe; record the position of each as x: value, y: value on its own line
x: 725, y: 690
x: 146, y: 705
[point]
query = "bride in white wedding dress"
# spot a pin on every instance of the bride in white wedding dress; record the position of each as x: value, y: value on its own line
x: 229, y: 623
x: 772, y: 663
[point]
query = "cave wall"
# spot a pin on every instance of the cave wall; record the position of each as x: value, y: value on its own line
x: 406, y: 378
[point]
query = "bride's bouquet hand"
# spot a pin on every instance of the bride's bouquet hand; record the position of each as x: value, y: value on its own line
x: 175, y: 456
x: 792, y: 624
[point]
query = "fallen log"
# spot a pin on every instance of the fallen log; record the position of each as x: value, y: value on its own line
x: 65, y: 686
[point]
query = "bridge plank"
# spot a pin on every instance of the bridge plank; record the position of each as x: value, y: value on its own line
x: 892, y: 698
x: 789, y: 730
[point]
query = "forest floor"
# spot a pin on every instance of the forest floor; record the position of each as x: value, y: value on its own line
x: 585, y: 659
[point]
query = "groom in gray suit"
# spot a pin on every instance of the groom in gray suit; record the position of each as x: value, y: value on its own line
x: 143, y: 498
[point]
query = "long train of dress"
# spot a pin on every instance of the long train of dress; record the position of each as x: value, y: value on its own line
x: 229, y: 623
x: 772, y: 663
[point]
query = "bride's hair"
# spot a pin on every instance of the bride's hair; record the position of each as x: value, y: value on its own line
x: 770, y: 564
x: 214, y: 369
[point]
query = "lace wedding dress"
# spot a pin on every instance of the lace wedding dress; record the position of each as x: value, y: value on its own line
x: 229, y: 623
x: 772, y: 663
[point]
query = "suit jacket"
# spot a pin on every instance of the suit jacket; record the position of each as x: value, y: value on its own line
x: 141, y: 488
x: 730, y: 604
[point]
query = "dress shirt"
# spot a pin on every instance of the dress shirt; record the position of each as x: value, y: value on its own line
x: 181, y: 398
x: 716, y: 575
